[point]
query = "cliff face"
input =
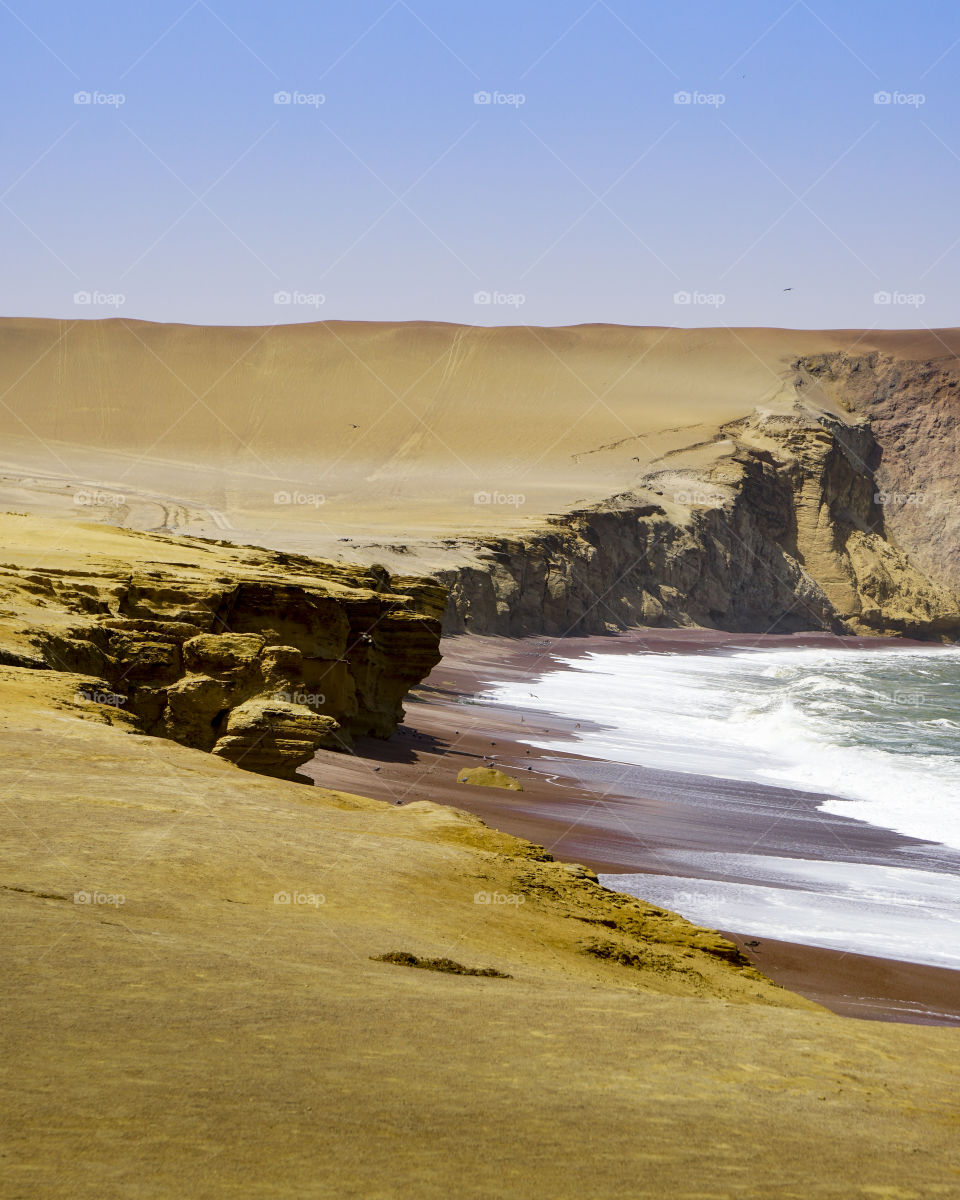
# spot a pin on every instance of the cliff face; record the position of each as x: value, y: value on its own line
x: 780, y: 529
x: 913, y: 408
x: 256, y: 657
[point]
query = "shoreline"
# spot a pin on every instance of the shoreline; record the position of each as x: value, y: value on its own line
x: 623, y: 819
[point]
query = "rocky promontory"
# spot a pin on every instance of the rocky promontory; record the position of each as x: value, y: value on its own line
x: 777, y: 522
x: 255, y: 656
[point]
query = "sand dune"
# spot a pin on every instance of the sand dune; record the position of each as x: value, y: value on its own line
x: 198, y: 428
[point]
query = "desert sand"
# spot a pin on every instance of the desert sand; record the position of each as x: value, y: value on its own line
x: 619, y: 819
x: 377, y: 434
x: 195, y: 999
x: 190, y: 1004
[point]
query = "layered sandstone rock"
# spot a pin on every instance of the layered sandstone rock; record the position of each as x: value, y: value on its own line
x: 258, y: 657
x: 273, y: 736
x: 913, y: 408
x: 779, y: 528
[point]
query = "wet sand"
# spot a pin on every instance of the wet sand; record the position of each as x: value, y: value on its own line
x: 616, y: 818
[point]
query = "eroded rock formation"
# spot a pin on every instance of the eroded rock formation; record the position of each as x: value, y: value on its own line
x: 914, y: 412
x: 259, y: 658
x: 783, y: 528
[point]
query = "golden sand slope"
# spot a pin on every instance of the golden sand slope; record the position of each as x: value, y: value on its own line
x: 374, y: 431
x: 190, y: 1007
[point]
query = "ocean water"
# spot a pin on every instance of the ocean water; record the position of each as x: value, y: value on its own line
x: 876, y: 733
x: 887, y: 912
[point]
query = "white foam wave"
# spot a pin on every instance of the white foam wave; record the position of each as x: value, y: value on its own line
x: 872, y: 730
x: 889, y: 912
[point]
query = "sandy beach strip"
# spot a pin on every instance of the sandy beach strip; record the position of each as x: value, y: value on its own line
x: 619, y: 819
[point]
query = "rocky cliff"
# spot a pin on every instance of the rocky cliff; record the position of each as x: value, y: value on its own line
x: 913, y: 408
x: 257, y: 657
x: 776, y: 524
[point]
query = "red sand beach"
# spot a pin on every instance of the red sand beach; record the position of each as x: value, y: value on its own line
x: 617, y: 818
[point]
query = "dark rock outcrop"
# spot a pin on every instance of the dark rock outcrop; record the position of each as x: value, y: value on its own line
x: 913, y: 409
x: 783, y: 531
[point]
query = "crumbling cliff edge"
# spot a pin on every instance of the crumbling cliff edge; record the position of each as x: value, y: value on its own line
x: 257, y: 657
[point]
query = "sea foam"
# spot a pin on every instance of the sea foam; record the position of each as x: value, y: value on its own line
x: 872, y: 731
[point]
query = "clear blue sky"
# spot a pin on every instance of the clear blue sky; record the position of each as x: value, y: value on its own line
x: 599, y: 198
